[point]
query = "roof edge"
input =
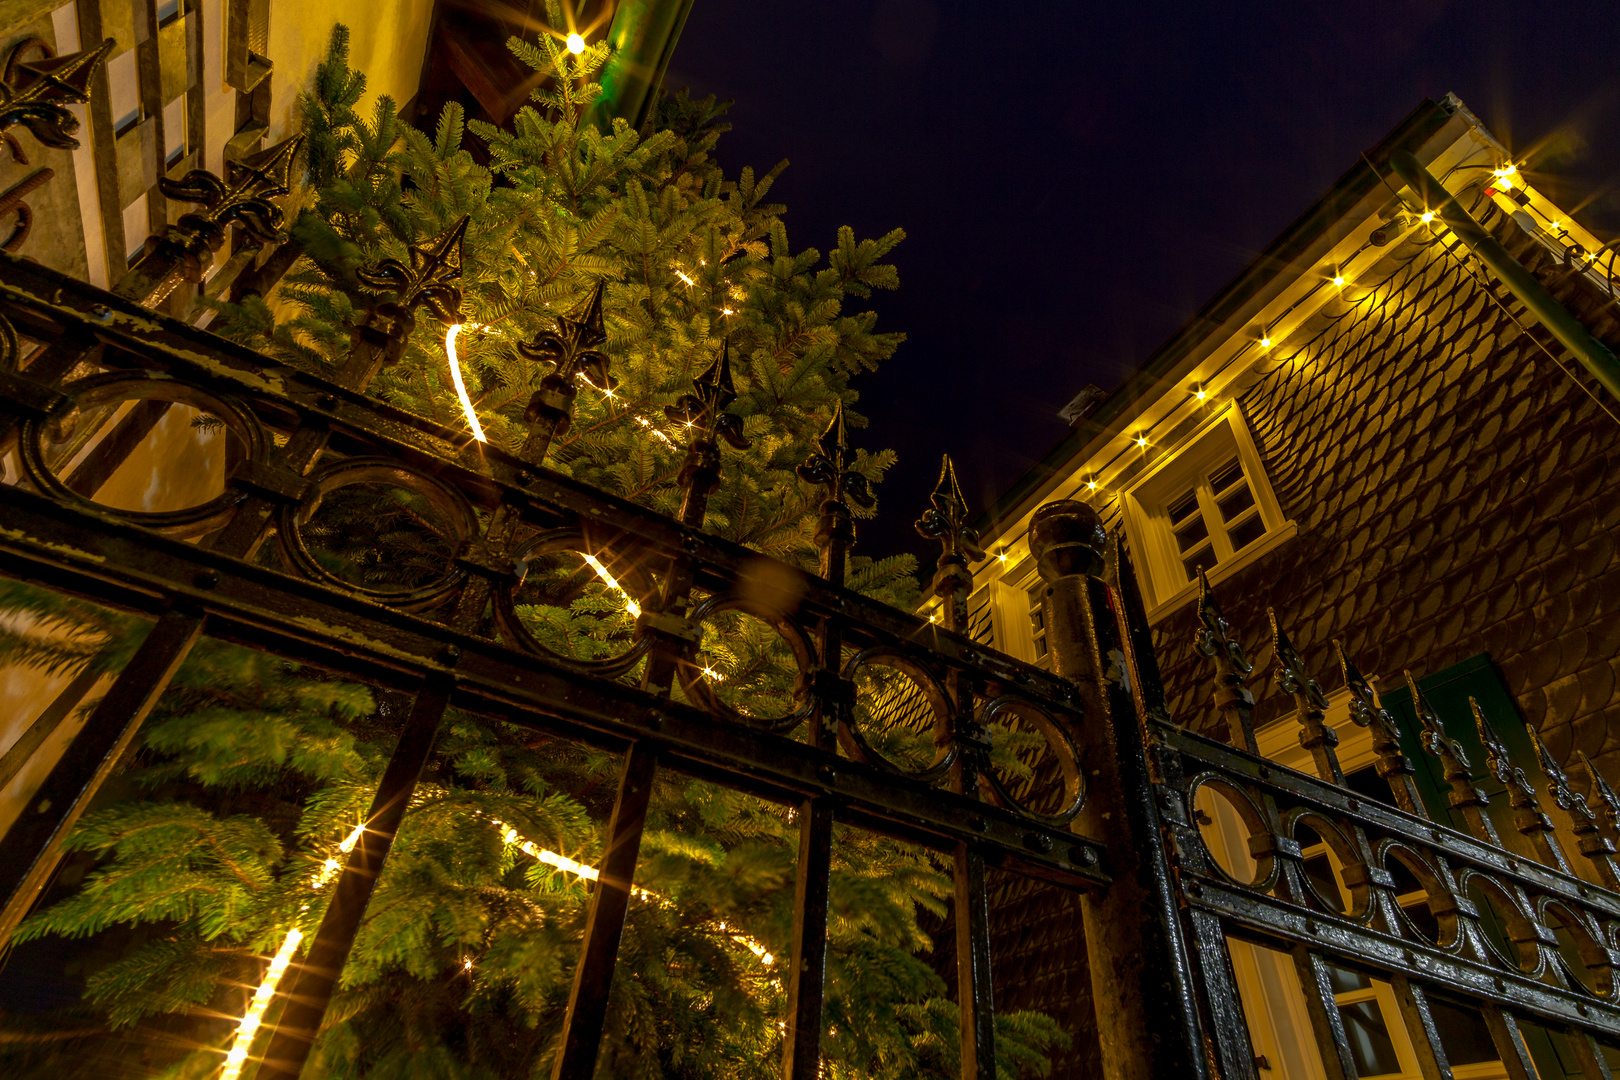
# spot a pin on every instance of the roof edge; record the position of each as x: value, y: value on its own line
x: 1351, y: 188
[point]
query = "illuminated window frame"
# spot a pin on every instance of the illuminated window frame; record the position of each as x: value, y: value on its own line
x: 1187, y: 472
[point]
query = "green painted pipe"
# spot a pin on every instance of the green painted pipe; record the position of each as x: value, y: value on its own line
x: 643, y: 37
x: 1595, y: 356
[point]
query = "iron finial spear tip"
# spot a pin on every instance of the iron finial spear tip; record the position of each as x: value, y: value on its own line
x: 947, y: 492
x: 717, y: 376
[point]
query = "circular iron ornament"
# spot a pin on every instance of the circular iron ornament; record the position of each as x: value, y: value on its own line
x: 10, y: 348
x: 349, y: 472
x: 111, y: 389
x: 701, y: 692
x: 1517, y: 925
x: 1592, y: 966
x: 1267, y: 866
x: 853, y: 740
x: 559, y: 541
x: 1441, y: 902
x: 1062, y: 746
x: 1353, y: 870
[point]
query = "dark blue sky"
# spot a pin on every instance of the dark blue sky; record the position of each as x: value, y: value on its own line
x: 1076, y: 179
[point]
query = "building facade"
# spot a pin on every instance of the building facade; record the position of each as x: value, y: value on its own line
x: 1368, y: 436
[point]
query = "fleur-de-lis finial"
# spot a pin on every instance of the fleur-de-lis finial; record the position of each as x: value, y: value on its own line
x: 1291, y: 673
x: 429, y: 281
x: 1497, y: 758
x: 1603, y: 793
x: 37, y: 93
x: 947, y: 521
x: 705, y: 410
x: 828, y: 466
x: 1528, y: 817
x: 241, y: 199
x: 1214, y: 637
x: 1434, y: 737
x: 1366, y: 711
x: 1568, y: 799
x: 570, y: 347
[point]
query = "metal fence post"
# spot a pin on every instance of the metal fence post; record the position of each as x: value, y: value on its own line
x: 1141, y: 976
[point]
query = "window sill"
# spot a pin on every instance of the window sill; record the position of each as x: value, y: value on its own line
x: 1189, y: 592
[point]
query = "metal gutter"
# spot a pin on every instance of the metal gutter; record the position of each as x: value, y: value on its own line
x: 1592, y: 353
x: 1295, y: 241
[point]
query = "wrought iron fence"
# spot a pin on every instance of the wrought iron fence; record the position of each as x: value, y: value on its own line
x: 73, y: 354
x: 1514, y: 933
x: 1444, y: 916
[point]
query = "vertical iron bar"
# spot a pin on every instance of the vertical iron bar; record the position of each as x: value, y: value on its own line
x: 593, y: 978
x: 316, y: 976
x: 30, y: 849
x: 1228, y: 1023
x: 807, y: 984
x: 1509, y: 1042
x: 974, y: 990
x: 1594, y: 1065
x: 1414, y: 1006
x: 801, y: 1045
x: 1332, y: 1043
x: 1141, y: 979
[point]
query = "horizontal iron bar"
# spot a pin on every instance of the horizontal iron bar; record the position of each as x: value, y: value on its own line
x: 44, y: 302
x: 1459, y: 847
x: 99, y: 557
x: 1273, y: 923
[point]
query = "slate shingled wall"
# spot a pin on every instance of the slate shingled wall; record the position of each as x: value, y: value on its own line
x: 1456, y: 492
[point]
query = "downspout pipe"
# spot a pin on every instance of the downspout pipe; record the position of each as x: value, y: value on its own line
x: 643, y: 37
x: 1595, y: 356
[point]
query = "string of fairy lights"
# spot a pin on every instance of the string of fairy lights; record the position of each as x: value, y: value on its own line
x: 1505, y: 181
x: 248, y: 1027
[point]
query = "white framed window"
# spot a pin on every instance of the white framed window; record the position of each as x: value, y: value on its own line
x: 1206, y: 505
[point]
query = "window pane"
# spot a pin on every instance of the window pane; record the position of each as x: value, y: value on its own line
x: 1183, y: 507
x: 1203, y: 560
x: 1191, y: 534
x: 1247, y: 533
x: 1369, y: 1039
x: 1226, y: 475
x: 1347, y: 982
x: 1234, y: 502
x: 1463, y: 1034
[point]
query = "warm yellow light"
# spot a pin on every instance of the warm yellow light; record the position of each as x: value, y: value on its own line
x: 1141, y: 440
x: 461, y: 387
x: 1338, y: 281
x: 1428, y: 216
x: 1200, y: 394
x: 612, y: 582
x: 1001, y: 556
x: 683, y: 277
x: 576, y: 44
x: 1265, y: 342
x: 1554, y: 225
x: 711, y: 673
x: 249, y: 1026
x: 1091, y: 485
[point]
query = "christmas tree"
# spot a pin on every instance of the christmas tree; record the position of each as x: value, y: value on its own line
x: 218, y: 845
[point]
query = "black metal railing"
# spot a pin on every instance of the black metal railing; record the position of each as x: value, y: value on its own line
x: 75, y: 353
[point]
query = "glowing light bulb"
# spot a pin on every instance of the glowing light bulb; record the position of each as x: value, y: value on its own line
x: 1338, y: 281
x: 711, y: 673
x: 683, y: 277
x: 1428, y: 216
x: 461, y: 387
x: 1200, y: 394
x: 1141, y: 440
x: 1554, y: 225
x: 1001, y: 556
x: 576, y: 44
x: 1091, y: 485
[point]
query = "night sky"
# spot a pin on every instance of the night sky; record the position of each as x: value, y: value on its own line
x: 1076, y: 179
